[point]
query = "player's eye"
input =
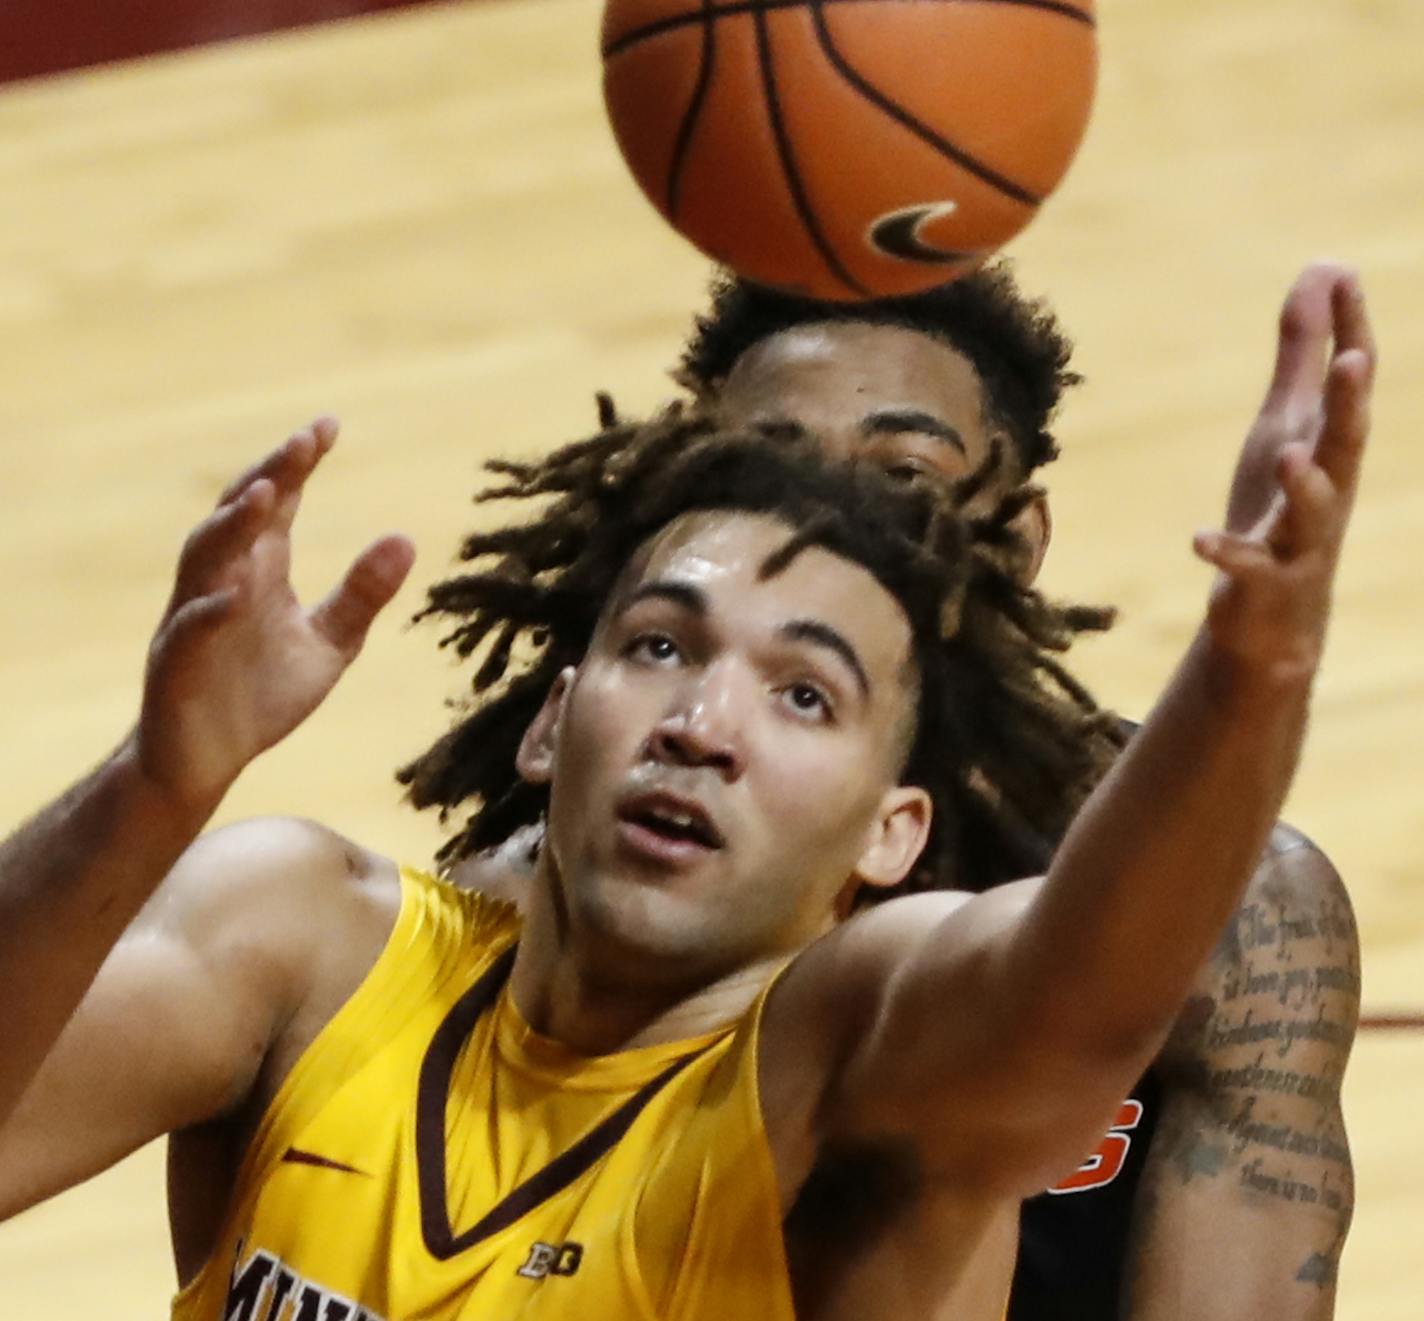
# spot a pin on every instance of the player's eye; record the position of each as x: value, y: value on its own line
x: 906, y: 470
x: 654, y: 648
x: 808, y: 701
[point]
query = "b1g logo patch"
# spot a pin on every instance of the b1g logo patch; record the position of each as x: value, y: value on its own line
x: 1106, y: 1163
x: 546, y: 1259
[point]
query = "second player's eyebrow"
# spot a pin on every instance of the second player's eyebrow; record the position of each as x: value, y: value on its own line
x: 780, y: 428
x: 895, y: 421
x: 823, y: 635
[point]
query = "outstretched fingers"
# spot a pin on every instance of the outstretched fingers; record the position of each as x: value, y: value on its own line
x: 287, y: 467
x: 346, y: 615
x: 1340, y: 448
x: 1308, y: 516
x: 1316, y: 484
x: 1237, y: 555
x: 1345, y: 424
x: 1307, y: 322
x: 1311, y: 516
x: 1351, y: 316
x: 210, y: 555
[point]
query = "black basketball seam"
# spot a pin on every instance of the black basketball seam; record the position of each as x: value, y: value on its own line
x: 659, y: 26
x: 694, y: 108
x: 794, y: 183
x: 908, y: 121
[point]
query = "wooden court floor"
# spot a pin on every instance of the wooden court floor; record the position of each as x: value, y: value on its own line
x: 418, y: 221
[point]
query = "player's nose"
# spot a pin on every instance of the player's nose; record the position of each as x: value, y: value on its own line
x: 704, y: 725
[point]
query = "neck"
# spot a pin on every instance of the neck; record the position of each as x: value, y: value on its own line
x: 584, y: 990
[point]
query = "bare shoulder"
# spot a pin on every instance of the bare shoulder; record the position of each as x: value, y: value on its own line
x: 290, y: 917
x: 846, y: 996
x: 280, y: 861
x: 1296, y: 870
x: 267, y: 894
x: 834, y: 973
x: 1287, y: 966
x: 837, y: 989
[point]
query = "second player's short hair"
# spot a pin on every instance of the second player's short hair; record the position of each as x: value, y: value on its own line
x: 1015, y: 344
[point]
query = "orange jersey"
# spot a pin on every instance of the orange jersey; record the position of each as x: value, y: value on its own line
x: 432, y: 1158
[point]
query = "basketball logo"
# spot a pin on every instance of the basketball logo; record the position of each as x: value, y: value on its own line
x: 898, y: 234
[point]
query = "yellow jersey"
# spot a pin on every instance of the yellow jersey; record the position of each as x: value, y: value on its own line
x: 432, y: 1158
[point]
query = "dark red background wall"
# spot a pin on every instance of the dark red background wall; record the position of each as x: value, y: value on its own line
x: 46, y: 36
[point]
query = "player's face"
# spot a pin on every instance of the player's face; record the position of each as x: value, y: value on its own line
x: 724, y: 761
x: 884, y: 393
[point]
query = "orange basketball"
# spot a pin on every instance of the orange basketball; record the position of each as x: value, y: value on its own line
x: 849, y: 148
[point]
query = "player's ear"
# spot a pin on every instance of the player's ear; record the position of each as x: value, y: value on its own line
x: 535, y: 759
x: 1035, y: 524
x: 896, y: 838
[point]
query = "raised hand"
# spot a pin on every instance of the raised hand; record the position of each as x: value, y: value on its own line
x: 1295, y: 483
x: 1290, y: 411
x: 237, y: 662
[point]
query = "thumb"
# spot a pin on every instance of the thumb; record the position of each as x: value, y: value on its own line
x: 344, y: 617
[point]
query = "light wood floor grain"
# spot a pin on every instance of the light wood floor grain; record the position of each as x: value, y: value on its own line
x: 419, y: 222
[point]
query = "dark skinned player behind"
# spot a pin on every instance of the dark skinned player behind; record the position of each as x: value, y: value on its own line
x: 227, y: 979
x: 1231, y: 1149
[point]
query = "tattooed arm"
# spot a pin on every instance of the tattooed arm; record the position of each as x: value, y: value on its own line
x: 1248, y: 1191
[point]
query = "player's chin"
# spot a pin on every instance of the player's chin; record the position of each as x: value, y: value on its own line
x: 659, y: 932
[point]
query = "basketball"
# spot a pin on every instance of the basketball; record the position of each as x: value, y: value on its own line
x: 849, y: 149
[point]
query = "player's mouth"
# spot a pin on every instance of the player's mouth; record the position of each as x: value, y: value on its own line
x: 668, y: 828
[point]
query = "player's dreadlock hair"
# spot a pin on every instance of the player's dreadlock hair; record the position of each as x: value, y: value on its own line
x: 1004, y: 741
x: 1015, y: 344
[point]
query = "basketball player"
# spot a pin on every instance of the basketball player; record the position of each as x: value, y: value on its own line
x: 1232, y: 1148
x: 1192, y: 1169
x: 742, y: 708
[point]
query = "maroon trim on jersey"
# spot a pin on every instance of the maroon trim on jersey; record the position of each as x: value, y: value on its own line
x: 432, y: 1093
x: 50, y: 36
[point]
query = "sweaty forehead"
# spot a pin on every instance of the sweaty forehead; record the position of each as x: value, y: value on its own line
x: 708, y: 547
x: 719, y: 555
x: 857, y: 367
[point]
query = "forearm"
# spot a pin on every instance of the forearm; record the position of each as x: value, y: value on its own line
x: 71, y: 880
x: 1157, y: 860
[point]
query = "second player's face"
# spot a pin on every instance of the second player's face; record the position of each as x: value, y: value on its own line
x: 884, y: 393
x: 727, y: 750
